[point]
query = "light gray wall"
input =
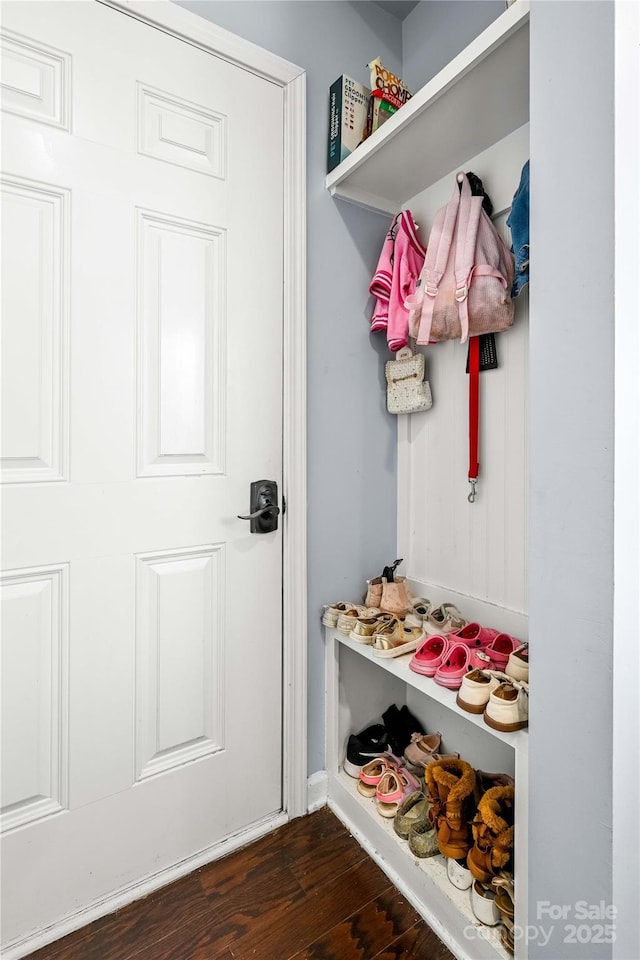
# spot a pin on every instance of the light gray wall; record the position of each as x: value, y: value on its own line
x: 571, y: 458
x: 351, y: 438
x: 436, y: 30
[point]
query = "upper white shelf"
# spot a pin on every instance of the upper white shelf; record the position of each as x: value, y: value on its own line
x: 480, y: 97
x: 399, y: 667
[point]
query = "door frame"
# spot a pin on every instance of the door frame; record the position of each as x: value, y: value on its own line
x: 187, y: 26
x: 626, y: 503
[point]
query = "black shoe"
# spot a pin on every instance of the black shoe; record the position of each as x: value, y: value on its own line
x: 411, y: 725
x: 400, y: 725
x: 363, y: 747
x: 393, y: 723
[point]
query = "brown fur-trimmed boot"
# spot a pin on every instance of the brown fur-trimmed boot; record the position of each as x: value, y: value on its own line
x: 492, y: 830
x: 450, y: 786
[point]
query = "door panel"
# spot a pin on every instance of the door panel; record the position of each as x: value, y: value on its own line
x: 142, y: 336
x: 181, y: 338
x: 34, y: 693
x: 181, y: 132
x: 36, y: 80
x: 179, y: 667
x: 35, y: 234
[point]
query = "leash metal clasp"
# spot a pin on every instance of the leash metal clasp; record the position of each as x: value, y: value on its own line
x: 472, y: 495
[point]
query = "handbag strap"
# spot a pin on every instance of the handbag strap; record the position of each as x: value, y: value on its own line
x: 474, y: 412
x: 405, y: 353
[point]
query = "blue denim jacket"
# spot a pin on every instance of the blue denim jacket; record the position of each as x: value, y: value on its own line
x: 518, y: 223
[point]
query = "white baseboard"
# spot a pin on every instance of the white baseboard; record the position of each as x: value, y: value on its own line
x: 134, y: 891
x: 317, y: 791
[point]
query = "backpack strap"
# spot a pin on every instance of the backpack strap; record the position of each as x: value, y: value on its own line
x: 435, y: 262
x: 468, y: 221
x: 471, y: 212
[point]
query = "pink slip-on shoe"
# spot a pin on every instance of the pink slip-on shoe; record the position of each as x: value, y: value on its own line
x: 474, y: 635
x: 373, y: 772
x: 501, y: 648
x: 429, y: 655
x: 479, y: 659
x: 453, y: 668
x: 394, y: 787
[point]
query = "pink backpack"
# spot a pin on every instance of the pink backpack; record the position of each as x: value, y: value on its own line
x: 465, y: 285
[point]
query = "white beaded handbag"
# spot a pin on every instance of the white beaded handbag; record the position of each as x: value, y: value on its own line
x: 407, y: 390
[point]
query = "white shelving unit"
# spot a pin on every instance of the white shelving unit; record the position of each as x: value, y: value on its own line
x: 360, y: 687
x: 476, y: 100
x: 399, y: 667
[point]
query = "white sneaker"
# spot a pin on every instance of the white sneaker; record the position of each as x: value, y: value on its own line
x: 459, y: 874
x: 518, y: 664
x: 332, y: 612
x: 508, y: 706
x: 483, y: 904
x: 476, y: 688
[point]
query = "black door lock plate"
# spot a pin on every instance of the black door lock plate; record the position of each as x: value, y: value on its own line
x: 263, y: 507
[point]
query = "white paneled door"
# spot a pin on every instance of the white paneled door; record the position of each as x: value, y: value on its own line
x: 142, y: 196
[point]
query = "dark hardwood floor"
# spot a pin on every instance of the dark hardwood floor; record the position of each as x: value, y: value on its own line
x: 306, y: 892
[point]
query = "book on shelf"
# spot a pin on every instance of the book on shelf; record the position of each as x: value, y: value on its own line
x: 388, y: 94
x: 348, y: 106
x: 380, y: 109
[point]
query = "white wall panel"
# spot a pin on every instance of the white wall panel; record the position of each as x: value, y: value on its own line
x: 180, y: 683
x: 35, y: 80
x: 35, y: 263
x: 181, y: 362
x: 479, y: 549
x: 34, y: 694
x: 177, y: 131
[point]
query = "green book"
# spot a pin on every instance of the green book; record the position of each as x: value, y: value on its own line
x: 348, y: 102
